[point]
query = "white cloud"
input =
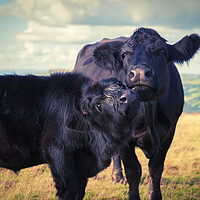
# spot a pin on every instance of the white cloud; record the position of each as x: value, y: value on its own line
x: 71, y: 33
x: 1, y: 57
x: 51, y: 12
x: 45, y: 51
x: 71, y: 57
x: 56, y: 30
x: 28, y: 50
x: 87, y: 34
x: 179, y: 13
x: 34, y: 58
x: 44, y: 33
x: 45, y: 12
x: 153, y: 10
x: 52, y: 55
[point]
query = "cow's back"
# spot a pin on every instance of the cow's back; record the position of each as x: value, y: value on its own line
x: 86, y: 64
x: 20, y: 100
x: 20, y: 120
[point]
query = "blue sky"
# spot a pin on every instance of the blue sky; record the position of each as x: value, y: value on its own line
x: 38, y: 36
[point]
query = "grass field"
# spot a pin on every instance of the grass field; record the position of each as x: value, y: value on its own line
x: 191, y: 84
x: 181, y: 177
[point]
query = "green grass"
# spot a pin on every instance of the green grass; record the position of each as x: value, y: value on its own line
x: 180, y: 181
x: 191, y: 84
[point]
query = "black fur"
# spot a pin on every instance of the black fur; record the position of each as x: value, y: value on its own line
x: 106, y: 57
x: 147, y: 65
x: 64, y: 120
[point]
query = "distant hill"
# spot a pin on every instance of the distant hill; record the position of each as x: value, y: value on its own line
x: 191, y: 84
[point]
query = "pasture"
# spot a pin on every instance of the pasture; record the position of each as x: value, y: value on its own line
x: 180, y: 180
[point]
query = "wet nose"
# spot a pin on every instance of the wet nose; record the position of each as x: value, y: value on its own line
x: 141, y: 72
x: 128, y: 96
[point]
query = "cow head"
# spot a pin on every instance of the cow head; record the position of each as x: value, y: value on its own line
x: 107, y: 54
x: 145, y: 56
x: 108, y: 98
x: 109, y: 106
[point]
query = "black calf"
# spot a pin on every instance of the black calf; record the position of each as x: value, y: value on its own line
x: 64, y: 120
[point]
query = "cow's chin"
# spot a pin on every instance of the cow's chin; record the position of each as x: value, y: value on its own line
x: 145, y: 92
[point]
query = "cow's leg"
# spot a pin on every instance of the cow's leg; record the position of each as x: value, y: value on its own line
x: 154, y: 133
x: 117, y: 175
x: 156, y: 166
x: 82, y: 182
x: 133, y: 171
x: 61, y: 163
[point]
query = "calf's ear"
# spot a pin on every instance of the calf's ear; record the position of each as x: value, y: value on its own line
x: 184, y: 50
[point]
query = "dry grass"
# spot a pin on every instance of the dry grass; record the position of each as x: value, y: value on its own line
x: 181, y: 178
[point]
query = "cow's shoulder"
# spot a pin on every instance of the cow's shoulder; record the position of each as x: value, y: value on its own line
x: 171, y: 103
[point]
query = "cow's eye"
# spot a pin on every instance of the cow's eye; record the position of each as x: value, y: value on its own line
x: 123, y: 55
x: 98, y: 107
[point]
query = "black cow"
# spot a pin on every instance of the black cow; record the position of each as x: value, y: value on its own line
x: 66, y: 120
x: 144, y: 62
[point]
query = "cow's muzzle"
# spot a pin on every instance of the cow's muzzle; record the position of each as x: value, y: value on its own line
x: 140, y: 75
x: 143, y: 79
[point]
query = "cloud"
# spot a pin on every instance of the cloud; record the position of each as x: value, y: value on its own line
x: 82, y: 34
x: 54, y: 31
x: 48, y: 12
x: 51, y: 12
x: 54, y: 54
x: 57, y: 55
x: 1, y: 57
x: 36, y: 32
x: 43, y: 33
x: 37, y: 58
x: 179, y: 13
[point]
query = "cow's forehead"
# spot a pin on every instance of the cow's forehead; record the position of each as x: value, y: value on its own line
x: 144, y: 36
x: 145, y: 33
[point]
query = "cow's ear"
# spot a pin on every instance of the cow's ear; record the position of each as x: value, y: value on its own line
x: 183, y: 50
x: 106, y: 57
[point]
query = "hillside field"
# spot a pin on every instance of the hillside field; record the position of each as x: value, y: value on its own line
x: 191, y: 85
x: 181, y: 177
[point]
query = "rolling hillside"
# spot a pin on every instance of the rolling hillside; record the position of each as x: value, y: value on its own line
x: 191, y: 84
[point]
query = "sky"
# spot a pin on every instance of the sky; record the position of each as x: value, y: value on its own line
x: 39, y: 36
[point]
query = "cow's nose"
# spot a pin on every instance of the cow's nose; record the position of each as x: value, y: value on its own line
x: 148, y: 73
x: 141, y: 72
x: 128, y: 96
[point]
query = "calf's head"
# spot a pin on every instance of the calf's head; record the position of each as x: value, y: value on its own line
x: 109, y: 105
x: 145, y: 56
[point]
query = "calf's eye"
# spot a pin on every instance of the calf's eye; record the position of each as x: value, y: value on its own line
x: 123, y: 55
x: 98, y: 107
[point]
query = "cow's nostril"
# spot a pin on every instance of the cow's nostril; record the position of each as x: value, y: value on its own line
x: 123, y: 99
x: 149, y: 73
